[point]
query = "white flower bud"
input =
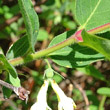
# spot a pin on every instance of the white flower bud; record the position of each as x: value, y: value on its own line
x: 65, y: 103
x: 41, y: 103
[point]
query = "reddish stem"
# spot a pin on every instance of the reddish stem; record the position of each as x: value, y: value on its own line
x: 92, y: 31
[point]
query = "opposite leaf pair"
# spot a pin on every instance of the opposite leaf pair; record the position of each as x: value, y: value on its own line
x: 65, y: 103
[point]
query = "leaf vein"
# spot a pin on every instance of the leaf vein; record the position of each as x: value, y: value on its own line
x: 92, y: 13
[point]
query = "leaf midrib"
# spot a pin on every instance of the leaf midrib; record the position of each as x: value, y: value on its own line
x: 84, y: 25
x: 29, y: 24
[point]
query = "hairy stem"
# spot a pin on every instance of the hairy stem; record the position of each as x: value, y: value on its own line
x: 43, y: 53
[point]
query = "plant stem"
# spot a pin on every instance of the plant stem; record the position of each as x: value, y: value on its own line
x: 7, y: 85
x: 47, y: 63
x: 102, y: 102
x: 19, y: 91
x: 43, y: 53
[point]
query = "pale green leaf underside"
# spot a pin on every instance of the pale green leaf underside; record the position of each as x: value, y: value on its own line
x: 99, y: 44
x: 8, y: 66
x: 13, y: 77
x: 14, y: 81
x: 73, y: 55
x: 92, y: 13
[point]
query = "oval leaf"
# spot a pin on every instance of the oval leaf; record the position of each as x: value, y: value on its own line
x: 104, y: 91
x: 73, y: 55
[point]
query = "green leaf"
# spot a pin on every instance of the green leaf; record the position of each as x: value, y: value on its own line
x: 8, y: 66
x: 104, y: 91
x: 13, y: 77
x: 92, y: 71
x: 6, y: 92
x: 43, y: 35
x: 92, y: 98
x: 49, y: 73
x: 73, y: 55
x: 19, y: 48
x: 100, y: 44
x: 6, y: 8
x: 93, y: 107
x: 8, y: 15
x: 57, y: 78
x: 31, y: 21
x: 14, y: 9
x: 92, y: 13
x: 14, y: 81
x: 105, y: 35
x: 66, y: 22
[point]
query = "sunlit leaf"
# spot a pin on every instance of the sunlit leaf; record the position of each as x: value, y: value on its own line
x: 73, y: 55
x: 100, y: 44
x: 92, y: 13
x: 31, y: 21
x: 104, y: 91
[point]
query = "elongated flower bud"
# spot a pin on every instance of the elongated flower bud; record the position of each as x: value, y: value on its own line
x: 41, y: 103
x: 65, y: 103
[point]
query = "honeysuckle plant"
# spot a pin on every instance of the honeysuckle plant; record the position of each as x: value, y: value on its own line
x: 71, y: 49
x: 64, y: 102
x: 41, y: 103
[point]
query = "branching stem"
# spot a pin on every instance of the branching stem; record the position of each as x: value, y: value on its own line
x: 43, y: 53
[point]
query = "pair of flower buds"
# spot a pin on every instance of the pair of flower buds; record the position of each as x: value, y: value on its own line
x: 65, y: 103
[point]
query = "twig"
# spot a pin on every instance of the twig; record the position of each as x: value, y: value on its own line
x: 82, y: 92
x: 20, y: 91
x: 7, y: 85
